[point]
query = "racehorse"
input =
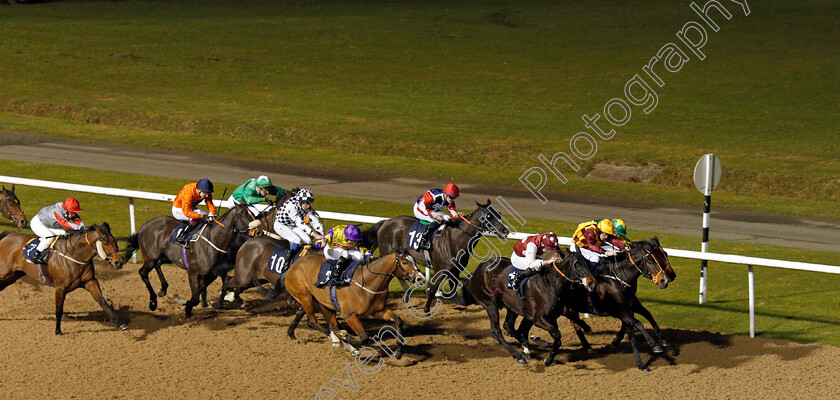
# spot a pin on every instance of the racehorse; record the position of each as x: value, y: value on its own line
x: 457, y: 242
x: 545, y: 294
x: 69, y: 266
x: 366, y: 297
x: 615, y: 295
x: 200, y: 260
x: 252, y: 265
x: 10, y: 207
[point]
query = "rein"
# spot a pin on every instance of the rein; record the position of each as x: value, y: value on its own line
x: 95, y: 251
x: 392, y: 275
x: 654, y: 278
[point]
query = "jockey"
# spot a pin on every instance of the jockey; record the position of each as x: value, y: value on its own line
x: 48, y: 224
x: 526, y: 253
x: 621, y: 230
x: 254, y: 191
x: 184, y: 208
x: 428, y: 207
x: 293, y: 220
x: 594, y: 241
x: 342, y: 243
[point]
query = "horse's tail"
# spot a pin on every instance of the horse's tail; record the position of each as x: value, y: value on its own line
x: 270, y: 293
x: 466, y: 298
x: 369, y: 236
x: 133, y: 246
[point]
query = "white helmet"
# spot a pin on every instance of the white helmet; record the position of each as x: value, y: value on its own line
x: 305, y: 196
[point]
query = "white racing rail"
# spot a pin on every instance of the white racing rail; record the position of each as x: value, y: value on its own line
x: 750, y: 262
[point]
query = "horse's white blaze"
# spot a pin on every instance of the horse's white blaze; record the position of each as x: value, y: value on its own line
x: 100, y: 249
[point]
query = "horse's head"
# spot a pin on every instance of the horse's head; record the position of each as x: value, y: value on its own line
x: 490, y: 220
x: 239, y: 219
x: 576, y: 273
x: 650, y: 259
x: 406, y: 268
x: 105, y: 244
x: 10, y: 207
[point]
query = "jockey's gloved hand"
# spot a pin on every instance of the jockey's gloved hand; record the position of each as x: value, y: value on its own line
x: 367, y: 254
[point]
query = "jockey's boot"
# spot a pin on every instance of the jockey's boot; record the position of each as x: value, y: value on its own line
x: 517, y: 280
x: 290, y: 257
x: 41, y: 256
x: 426, y: 240
x: 338, y: 269
x: 181, y: 239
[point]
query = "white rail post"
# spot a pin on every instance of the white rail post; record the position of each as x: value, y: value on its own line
x: 751, y: 279
x: 133, y: 224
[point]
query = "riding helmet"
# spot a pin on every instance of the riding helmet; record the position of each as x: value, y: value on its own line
x: 263, y: 181
x: 305, y: 196
x: 451, y: 190
x: 205, y: 185
x: 71, y: 204
x: 606, y: 226
x: 352, y: 233
x: 620, y: 227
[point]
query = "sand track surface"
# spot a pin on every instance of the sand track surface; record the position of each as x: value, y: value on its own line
x: 245, y: 353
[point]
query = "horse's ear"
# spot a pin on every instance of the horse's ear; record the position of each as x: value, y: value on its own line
x: 488, y: 202
x: 106, y: 227
x: 4, y: 188
x: 13, y: 188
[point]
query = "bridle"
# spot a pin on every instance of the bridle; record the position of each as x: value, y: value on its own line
x: 96, y: 251
x: 648, y: 254
x: 7, y: 211
x: 397, y: 265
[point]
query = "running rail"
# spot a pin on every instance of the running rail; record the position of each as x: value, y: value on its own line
x: 750, y: 262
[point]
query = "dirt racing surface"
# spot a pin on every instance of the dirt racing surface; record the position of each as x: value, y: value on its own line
x: 245, y: 353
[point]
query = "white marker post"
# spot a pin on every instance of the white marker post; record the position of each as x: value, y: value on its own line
x: 706, y: 179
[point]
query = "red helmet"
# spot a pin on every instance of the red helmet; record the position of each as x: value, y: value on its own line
x: 549, y: 241
x: 71, y: 204
x: 451, y: 190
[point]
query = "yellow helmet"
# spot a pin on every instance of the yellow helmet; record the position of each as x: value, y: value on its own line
x: 606, y: 226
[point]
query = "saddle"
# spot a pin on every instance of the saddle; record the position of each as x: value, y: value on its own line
x: 192, y: 236
x: 327, y: 268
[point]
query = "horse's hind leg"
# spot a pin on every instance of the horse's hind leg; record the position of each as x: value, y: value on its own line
x: 620, y: 335
x: 356, y: 325
x: 300, y: 313
x: 60, y: 294
x: 196, y: 282
x: 521, y: 334
x: 206, y: 281
x: 92, y: 286
x: 580, y: 328
x: 11, y: 278
x: 306, y: 302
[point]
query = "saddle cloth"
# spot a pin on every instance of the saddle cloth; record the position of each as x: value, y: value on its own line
x: 511, y: 274
x: 415, y: 232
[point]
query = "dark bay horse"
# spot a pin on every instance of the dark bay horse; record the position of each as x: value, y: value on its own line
x: 615, y: 295
x: 545, y: 294
x: 458, y: 241
x: 365, y: 297
x: 10, y: 207
x: 202, y: 257
x: 69, y: 266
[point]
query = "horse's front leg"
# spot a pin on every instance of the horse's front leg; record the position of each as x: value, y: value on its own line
x: 144, y: 275
x: 164, y: 285
x: 60, y: 294
x: 389, y: 315
x: 92, y: 286
x: 355, y: 324
x: 638, y: 308
x: 550, y: 325
x: 195, y: 288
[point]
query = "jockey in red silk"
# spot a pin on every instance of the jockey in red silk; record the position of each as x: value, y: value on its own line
x: 428, y: 208
x: 526, y: 255
x: 50, y: 220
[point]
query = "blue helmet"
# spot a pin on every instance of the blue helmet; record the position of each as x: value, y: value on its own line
x: 205, y: 185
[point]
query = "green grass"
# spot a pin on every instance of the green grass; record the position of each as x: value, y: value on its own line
x: 791, y: 305
x: 466, y: 91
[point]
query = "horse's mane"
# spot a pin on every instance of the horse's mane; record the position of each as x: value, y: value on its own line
x: 104, y: 227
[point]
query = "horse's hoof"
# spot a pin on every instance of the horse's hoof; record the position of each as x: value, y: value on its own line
x: 665, y: 344
x: 123, y: 327
x: 204, y: 304
x: 217, y: 305
x: 548, y: 361
x: 58, y: 332
x: 336, y: 345
x: 152, y: 305
x: 644, y: 369
x: 398, y: 354
x: 522, y: 361
x: 161, y: 292
x: 658, y: 349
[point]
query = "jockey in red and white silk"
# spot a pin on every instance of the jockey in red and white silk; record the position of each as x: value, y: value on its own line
x: 526, y: 255
x: 428, y: 208
x: 51, y: 221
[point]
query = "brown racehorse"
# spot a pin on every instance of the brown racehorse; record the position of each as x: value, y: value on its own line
x: 69, y: 266
x: 545, y: 294
x: 203, y: 256
x: 10, y: 207
x: 457, y: 242
x: 365, y: 297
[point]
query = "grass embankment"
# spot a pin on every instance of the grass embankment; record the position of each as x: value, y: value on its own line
x: 455, y: 90
x: 791, y: 305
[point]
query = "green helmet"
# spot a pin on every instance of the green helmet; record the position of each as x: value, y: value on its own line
x: 263, y: 181
x: 620, y: 227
